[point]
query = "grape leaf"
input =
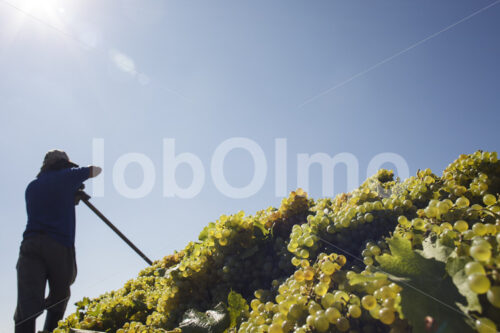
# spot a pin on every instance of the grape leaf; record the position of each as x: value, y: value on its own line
x: 237, y: 307
x: 455, y: 267
x: 435, y: 248
x: 360, y: 278
x: 260, y: 231
x: 428, y: 290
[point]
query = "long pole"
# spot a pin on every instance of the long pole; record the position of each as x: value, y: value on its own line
x: 115, y: 229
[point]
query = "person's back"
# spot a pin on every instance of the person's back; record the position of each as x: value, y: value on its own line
x: 50, y: 203
x: 47, y: 253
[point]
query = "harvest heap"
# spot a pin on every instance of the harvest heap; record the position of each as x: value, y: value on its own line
x: 418, y: 255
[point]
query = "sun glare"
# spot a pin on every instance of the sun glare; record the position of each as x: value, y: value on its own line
x: 49, y: 11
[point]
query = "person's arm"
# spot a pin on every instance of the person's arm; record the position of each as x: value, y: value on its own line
x: 76, y: 176
x: 94, y: 171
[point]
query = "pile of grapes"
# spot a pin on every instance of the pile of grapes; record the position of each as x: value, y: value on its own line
x: 419, y: 255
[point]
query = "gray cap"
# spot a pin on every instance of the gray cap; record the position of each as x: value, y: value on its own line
x: 56, y: 155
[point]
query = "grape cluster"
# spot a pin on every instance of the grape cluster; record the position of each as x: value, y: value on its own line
x: 237, y: 252
x: 313, y: 266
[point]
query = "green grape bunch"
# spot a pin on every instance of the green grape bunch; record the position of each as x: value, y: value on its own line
x: 415, y: 255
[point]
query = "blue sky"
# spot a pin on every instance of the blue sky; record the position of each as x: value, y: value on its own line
x: 201, y: 72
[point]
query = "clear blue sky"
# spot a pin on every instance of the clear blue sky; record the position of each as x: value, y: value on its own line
x: 136, y: 71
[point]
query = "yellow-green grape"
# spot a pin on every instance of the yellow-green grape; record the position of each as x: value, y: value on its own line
x: 254, y: 304
x: 354, y: 300
x: 461, y: 225
x: 436, y: 229
x: 314, y: 307
x: 418, y: 224
x: 321, y: 324
x: 327, y: 267
x: 459, y: 190
x: 258, y: 294
x: 303, y: 253
x: 386, y: 292
x: 493, y: 296
x: 341, y: 296
x: 275, y: 328
x: 428, y: 180
x: 342, y: 324
x: 299, y: 275
x: 375, y: 250
x: 269, y: 306
x: 309, y: 241
x: 485, y: 325
x: 354, y: 311
x: 443, y: 207
x: 292, y: 247
x: 368, y: 217
x: 325, y: 278
x: 431, y: 212
x: 295, y: 311
x: 489, y: 199
x: 327, y: 300
x: 462, y: 202
x: 480, y: 252
x: 474, y: 267
x: 403, y: 221
x: 386, y: 316
x: 302, y: 299
x: 300, y: 330
x: 295, y: 261
x: 478, y: 283
x: 479, y: 229
x: 332, y: 314
x: 450, y: 233
x: 491, y: 229
x: 468, y: 235
x: 389, y: 303
x: 308, y: 274
x: 223, y: 241
x: 310, y: 320
x: 446, y: 226
x: 321, y: 289
x: 476, y: 207
x: 394, y: 287
x: 368, y: 302
x: 286, y: 326
x: 375, y: 312
x: 368, y: 261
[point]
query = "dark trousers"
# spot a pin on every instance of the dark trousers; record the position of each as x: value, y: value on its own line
x: 42, y: 260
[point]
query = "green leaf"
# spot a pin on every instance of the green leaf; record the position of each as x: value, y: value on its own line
x: 260, y: 228
x: 237, y: 307
x: 455, y: 267
x: 435, y: 248
x: 360, y: 278
x: 428, y: 290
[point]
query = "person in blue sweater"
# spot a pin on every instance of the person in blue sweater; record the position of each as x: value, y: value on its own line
x: 47, y: 253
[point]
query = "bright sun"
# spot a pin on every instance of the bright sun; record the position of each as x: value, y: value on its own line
x: 49, y: 11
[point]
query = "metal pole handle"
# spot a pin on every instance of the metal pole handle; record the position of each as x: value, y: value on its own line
x: 85, y: 198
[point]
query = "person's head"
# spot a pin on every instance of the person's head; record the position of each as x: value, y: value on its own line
x: 56, y: 160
